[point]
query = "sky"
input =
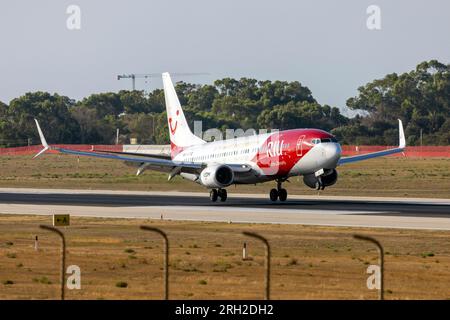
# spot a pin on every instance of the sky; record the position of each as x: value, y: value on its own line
x: 326, y: 45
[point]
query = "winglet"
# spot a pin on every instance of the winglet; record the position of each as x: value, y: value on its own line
x: 402, y: 140
x: 43, y: 141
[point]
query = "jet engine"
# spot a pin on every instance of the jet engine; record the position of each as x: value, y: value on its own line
x: 327, y: 179
x: 217, y: 176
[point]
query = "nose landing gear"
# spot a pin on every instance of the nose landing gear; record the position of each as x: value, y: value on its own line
x: 320, y: 185
x: 218, y: 193
x: 278, y: 193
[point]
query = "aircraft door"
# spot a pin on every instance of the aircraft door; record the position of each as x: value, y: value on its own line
x: 299, y: 147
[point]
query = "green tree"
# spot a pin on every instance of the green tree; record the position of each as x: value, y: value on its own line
x: 87, y: 120
x: 300, y: 115
x: 51, y: 110
x: 105, y: 104
x: 134, y: 102
x: 420, y: 97
x: 141, y: 126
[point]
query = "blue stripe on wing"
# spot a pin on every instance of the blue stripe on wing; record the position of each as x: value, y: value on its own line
x: 369, y: 155
x: 153, y: 161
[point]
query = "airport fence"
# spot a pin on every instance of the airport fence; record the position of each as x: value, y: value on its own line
x: 410, y: 152
x: 378, y: 272
x: 31, y: 150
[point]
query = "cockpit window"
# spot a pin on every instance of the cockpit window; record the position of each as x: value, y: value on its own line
x: 323, y: 140
x: 328, y: 140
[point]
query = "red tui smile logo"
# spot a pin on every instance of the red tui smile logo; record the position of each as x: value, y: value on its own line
x: 174, y: 128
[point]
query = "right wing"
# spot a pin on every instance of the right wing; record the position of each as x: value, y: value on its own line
x: 401, y: 148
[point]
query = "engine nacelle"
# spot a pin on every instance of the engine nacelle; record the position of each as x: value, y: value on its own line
x: 217, y: 176
x: 328, y: 179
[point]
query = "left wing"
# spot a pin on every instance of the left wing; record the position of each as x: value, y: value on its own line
x: 143, y: 160
x: 401, y: 148
x: 130, y: 158
x: 139, y: 154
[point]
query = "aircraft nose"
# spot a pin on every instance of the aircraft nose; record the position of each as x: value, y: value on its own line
x: 332, y: 153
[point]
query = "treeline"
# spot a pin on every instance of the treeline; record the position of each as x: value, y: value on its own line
x: 420, y: 98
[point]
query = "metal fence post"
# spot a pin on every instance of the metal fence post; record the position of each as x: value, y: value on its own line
x: 63, y: 254
x: 267, y: 260
x: 166, y: 258
x: 380, y: 259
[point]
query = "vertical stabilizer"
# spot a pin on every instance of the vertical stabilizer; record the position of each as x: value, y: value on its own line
x: 180, y: 134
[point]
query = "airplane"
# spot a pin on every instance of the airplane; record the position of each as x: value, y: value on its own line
x: 276, y: 156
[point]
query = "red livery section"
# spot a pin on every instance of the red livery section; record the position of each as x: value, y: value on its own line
x: 174, y: 149
x: 281, y: 151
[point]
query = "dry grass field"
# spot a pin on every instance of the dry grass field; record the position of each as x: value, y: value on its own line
x: 308, y: 262
x: 402, y: 177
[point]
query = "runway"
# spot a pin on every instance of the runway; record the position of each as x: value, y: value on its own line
x: 310, y: 210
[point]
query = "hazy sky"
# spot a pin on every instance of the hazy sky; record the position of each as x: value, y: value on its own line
x: 323, y: 44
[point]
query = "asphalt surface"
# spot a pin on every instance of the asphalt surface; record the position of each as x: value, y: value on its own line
x: 357, y: 207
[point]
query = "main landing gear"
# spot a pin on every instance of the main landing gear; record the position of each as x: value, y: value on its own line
x: 218, y: 193
x: 278, y: 193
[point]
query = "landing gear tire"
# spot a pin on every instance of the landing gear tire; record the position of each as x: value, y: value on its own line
x: 279, y: 192
x: 213, y: 195
x: 273, y: 194
x: 223, y: 195
x: 282, y: 194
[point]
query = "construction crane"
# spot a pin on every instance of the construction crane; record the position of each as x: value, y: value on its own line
x: 134, y: 76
